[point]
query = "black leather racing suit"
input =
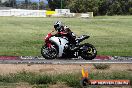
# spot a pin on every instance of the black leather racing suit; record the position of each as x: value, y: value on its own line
x: 65, y: 31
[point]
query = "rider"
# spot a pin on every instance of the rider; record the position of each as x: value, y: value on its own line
x: 65, y: 31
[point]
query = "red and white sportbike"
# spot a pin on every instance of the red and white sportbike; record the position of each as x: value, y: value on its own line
x: 59, y: 47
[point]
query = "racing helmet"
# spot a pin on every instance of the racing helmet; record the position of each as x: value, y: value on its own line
x: 57, y: 25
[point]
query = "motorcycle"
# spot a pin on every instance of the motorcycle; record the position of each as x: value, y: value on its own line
x: 59, y: 47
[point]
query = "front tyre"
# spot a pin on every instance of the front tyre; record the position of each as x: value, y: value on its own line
x: 88, y: 51
x: 49, y: 52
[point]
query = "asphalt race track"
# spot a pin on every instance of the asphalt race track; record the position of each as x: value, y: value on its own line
x: 62, y: 61
x: 41, y: 60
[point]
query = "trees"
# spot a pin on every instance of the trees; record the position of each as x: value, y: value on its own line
x: 101, y: 7
x: 115, y: 8
x: 56, y: 4
x: 10, y: 3
x: 83, y: 6
x: 0, y: 3
x: 120, y: 7
x: 98, y: 7
x: 130, y: 6
x: 41, y: 5
x: 34, y: 5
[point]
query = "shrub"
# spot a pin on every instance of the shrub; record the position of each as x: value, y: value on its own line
x: 72, y: 80
x: 101, y: 66
x: 42, y: 79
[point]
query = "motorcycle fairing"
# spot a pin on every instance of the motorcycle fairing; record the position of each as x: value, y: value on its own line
x: 60, y: 42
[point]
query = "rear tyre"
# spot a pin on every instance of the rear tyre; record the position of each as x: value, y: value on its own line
x: 49, y: 53
x: 88, y: 51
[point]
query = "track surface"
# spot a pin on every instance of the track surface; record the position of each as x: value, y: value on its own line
x: 41, y: 60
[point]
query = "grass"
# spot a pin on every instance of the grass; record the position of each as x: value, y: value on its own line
x: 101, y: 66
x: 111, y: 35
x: 71, y: 79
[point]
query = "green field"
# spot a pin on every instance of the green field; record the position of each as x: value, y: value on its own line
x: 111, y: 35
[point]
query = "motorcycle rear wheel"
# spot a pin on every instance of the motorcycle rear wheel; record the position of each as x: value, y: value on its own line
x: 88, y: 52
x: 49, y: 53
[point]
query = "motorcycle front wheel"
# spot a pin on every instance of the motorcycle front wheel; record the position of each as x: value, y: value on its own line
x: 88, y: 52
x: 49, y: 52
